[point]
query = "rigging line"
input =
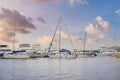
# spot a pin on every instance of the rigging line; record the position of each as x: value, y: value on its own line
x: 70, y: 38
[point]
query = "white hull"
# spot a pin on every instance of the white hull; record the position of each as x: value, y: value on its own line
x: 61, y: 56
x: 106, y: 54
x: 32, y: 54
x: 40, y: 55
x: 86, y: 56
x: 15, y: 56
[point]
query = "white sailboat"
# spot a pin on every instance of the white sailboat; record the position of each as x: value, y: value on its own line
x: 40, y: 53
x: 86, y: 53
x: 28, y: 50
x: 4, y: 49
x: 15, y: 54
x: 7, y: 53
x: 60, y: 53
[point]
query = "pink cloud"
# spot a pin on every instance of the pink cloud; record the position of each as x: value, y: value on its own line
x: 104, y: 24
x: 10, y: 18
x: 45, y: 40
x: 69, y: 36
x: 92, y: 41
x: 91, y: 29
x: 41, y: 20
x: 46, y: 1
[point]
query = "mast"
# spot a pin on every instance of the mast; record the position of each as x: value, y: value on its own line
x: 54, y: 35
x: 60, y: 36
x: 14, y: 34
x: 84, y: 44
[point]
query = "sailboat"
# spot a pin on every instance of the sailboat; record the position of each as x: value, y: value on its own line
x: 4, y: 49
x: 60, y: 53
x: 15, y: 54
x: 86, y: 53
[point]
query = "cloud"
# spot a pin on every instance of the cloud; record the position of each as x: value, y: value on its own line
x: 92, y: 41
x: 91, y: 29
x: 104, y: 24
x: 6, y: 36
x: 117, y: 11
x: 46, y: 1
x: 78, y: 2
x: 10, y: 18
x: 41, y: 20
x: 45, y: 40
x: 30, y: 19
x: 68, y: 36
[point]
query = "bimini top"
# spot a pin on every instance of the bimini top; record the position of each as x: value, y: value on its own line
x: 67, y: 51
x: 18, y: 51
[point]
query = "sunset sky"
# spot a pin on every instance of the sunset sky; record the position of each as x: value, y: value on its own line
x: 35, y: 22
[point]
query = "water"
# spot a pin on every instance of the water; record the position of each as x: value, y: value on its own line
x: 99, y: 68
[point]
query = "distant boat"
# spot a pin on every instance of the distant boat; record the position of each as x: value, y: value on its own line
x: 7, y: 53
x: 40, y: 53
x: 15, y: 56
x: 60, y: 53
x: 117, y: 55
x: 4, y: 50
x: 104, y: 51
x: 28, y: 50
x: 64, y: 53
x: 86, y: 53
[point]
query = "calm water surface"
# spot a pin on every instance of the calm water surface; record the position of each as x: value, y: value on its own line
x: 99, y: 68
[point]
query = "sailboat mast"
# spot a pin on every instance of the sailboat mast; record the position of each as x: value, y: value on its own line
x: 60, y: 36
x: 84, y: 45
x: 53, y: 36
x: 14, y: 34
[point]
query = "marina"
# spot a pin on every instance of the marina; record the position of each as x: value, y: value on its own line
x: 59, y: 40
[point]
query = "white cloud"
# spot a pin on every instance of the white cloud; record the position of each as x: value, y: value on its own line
x: 117, y: 11
x: 91, y: 29
x: 104, y: 24
x: 77, y: 2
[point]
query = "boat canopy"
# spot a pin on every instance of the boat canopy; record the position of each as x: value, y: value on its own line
x: 67, y: 51
x: 18, y: 51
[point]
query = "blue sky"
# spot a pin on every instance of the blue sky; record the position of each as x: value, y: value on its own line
x: 99, y: 18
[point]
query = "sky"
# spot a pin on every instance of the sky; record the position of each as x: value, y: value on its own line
x: 34, y: 22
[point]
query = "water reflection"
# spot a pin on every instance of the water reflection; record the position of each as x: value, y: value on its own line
x: 99, y: 68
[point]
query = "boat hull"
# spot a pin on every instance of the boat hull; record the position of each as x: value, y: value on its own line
x: 117, y: 55
x: 15, y: 56
x: 62, y: 56
x: 86, y: 56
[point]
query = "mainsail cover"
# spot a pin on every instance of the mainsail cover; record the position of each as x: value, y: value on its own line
x: 67, y: 51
